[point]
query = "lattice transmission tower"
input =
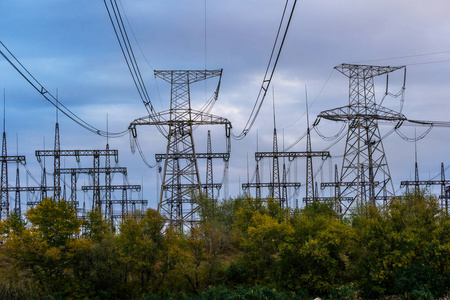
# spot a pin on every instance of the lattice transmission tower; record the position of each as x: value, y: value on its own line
x: 365, y: 175
x: 181, y: 177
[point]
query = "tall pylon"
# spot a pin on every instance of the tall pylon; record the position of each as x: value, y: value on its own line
x: 310, y: 195
x: 57, y: 163
x: 5, y: 159
x: 209, y: 188
x: 276, y: 188
x: 365, y: 173
x: 4, y: 205
x: 181, y: 177
x: 4, y: 187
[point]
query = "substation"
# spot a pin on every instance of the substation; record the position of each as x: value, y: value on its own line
x: 93, y: 178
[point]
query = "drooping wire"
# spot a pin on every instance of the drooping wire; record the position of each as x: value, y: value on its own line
x: 31, y: 175
x: 140, y: 49
x: 130, y: 59
x: 267, y: 78
x: 141, y: 153
x: 297, y: 140
x: 127, y: 51
x: 416, y: 138
x: 315, y: 99
x: 142, y: 52
x: 330, y: 138
x: 20, y: 68
x: 400, y: 93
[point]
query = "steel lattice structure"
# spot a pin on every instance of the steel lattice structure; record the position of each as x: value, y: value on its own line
x: 4, y: 189
x: 181, y: 177
x: 416, y: 183
x: 364, y: 161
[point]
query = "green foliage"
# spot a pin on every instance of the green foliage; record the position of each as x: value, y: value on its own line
x: 240, y: 293
x: 344, y: 292
x: 96, y: 227
x: 316, y: 257
x: 417, y: 279
x: 242, y: 249
x: 55, y: 222
x: 409, y: 235
x: 13, y: 289
x: 13, y: 225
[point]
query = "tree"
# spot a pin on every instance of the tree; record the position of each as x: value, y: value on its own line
x: 55, y: 222
x: 411, y: 236
x: 316, y: 256
x: 141, y: 248
x: 14, y: 225
x: 46, y: 247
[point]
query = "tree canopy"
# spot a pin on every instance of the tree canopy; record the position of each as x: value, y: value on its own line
x: 242, y: 249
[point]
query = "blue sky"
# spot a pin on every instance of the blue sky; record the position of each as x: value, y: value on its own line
x: 70, y: 46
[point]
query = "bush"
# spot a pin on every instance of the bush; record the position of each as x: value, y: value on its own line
x: 422, y: 294
x: 344, y: 292
x: 416, y: 281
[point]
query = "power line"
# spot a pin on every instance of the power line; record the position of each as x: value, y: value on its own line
x: 20, y: 68
x: 267, y: 79
x: 406, y: 56
x: 130, y: 59
x: 312, y: 103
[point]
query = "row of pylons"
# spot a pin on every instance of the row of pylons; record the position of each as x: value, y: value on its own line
x: 364, y: 176
x: 102, y: 191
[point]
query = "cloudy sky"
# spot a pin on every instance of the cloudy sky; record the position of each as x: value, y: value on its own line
x: 70, y: 46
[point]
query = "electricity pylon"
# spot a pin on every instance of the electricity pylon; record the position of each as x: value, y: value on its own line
x: 181, y: 177
x: 365, y: 173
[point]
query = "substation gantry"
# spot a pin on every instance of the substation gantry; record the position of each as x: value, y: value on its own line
x: 181, y: 181
x: 107, y: 203
x: 278, y: 188
x: 417, y: 183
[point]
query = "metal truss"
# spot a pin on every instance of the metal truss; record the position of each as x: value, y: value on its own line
x: 4, y: 189
x: 181, y: 178
x: 364, y: 161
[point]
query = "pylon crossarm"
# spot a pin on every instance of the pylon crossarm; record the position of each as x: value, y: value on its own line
x: 271, y: 184
x: 160, y: 157
x: 198, y: 118
x: 122, y: 170
x: 173, y: 76
x: 259, y: 155
x: 144, y: 202
x: 136, y: 188
x: 334, y: 184
x: 423, y: 182
x: 346, y: 113
x: 365, y: 71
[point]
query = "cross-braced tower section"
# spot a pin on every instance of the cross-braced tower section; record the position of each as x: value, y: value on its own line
x: 365, y: 173
x: 181, y: 176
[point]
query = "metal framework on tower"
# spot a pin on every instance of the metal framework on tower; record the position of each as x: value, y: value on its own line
x: 181, y: 178
x: 444, y: 196
x: 365, y: 175
x: 4, y: 192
